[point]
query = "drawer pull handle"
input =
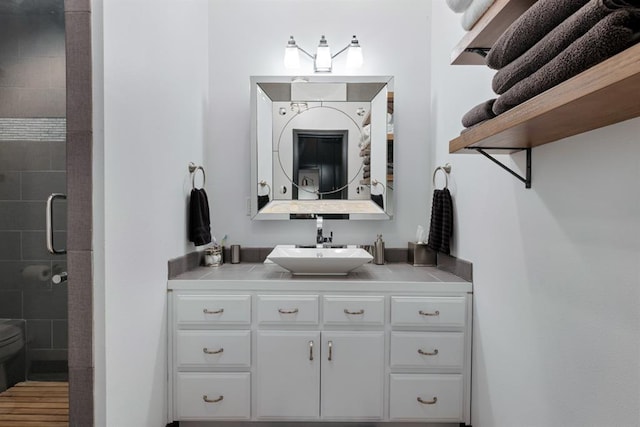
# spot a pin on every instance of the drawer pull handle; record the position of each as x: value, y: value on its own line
x: 427, y: 353
x: 330, y: 351
x: 207, y: 351
x: 426, y: 313
x: 219, y: 399
x: 428, y: 402
x: 310, y: 350
x: 361, y: 311
x: 281, y: 311
x: 220, y: 311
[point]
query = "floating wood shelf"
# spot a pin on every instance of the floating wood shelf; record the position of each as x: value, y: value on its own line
x: 487, y: 30
x: 605, y: 94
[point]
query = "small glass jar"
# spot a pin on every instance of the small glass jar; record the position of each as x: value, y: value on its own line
x: 213, y: 256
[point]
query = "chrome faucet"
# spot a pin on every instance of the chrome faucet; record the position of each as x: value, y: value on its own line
x: 320, y: 239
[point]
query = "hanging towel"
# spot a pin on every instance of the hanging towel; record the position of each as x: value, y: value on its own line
x: 263, y: 201
x: 479, y: 113
x: 441, y: 228
x: 536, y: 22
x: 608, y: 37
x: 458, y: 6
x: 474, y: 12
x: 378, y: 200
x: 199, y: 225
x: 556, y: 41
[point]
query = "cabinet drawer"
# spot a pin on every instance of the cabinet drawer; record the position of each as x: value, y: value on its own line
x: 288, y: 309
x: 428, y: 311
x: 214, y: 309
x: 426, y: 397
x: 214, y: 349
x: 227, y: 396
x: 353, y: 310
x: 427, y: 350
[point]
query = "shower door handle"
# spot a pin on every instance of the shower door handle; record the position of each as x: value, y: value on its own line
x: 49, y: 219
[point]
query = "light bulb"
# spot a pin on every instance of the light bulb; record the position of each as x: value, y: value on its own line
x: 291, y: 55
x: 354, y: 54
x: 323, y: 56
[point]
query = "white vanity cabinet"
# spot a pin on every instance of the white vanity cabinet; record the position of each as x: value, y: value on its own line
x: 211, y: 356
x: 320, y: 374
x: 319, y: 350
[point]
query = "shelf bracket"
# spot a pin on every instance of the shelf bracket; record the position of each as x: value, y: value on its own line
x: 482, y: 51
x: 526, y: 179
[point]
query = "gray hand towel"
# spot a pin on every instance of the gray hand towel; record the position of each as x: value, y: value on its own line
x: 556, y: 41
x: 479, y: 113
x: 529, y: 28
x: 608, y: 37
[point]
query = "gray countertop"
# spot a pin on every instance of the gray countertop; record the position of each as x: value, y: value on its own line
x: 369, y: 274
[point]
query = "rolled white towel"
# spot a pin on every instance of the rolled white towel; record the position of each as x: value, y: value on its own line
x: 476, y: 9
x: 458, y: 6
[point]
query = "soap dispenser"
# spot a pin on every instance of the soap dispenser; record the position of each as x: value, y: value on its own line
x: 378, y: 251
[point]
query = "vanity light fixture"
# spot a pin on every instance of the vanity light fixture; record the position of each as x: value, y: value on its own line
x: 323, y: 59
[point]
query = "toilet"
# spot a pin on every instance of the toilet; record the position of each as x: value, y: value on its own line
x: 11, y: 342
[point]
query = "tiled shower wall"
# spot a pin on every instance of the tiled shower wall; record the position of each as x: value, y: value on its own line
x: 32, y: 166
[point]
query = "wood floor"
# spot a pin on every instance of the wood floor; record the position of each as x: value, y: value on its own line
x: 35, y: 404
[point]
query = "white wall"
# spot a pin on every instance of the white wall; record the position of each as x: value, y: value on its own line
x: 155, y: 123
x: 248, y: 38
x: 556, y: 267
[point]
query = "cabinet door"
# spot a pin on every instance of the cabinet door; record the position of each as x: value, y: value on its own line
x: 288, y: 375
x: 352, y: 375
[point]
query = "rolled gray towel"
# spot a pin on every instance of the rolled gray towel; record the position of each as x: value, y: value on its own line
x: 479, y: 113
x: 556, y: 41
x: 542, y: 17
x: 608, y: 37
x: 458, y: 6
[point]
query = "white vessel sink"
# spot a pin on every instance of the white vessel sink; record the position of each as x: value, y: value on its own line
x: 314, y: 261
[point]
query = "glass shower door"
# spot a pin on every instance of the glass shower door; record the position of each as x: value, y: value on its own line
x: 33, y: 166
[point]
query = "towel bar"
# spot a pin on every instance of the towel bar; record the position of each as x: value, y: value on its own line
x: 193, y: 169
x: 446, y: 169
x: 263, y: 183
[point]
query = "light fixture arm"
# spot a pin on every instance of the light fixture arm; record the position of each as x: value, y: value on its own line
x: 340, y: 51
x: 305, y: 52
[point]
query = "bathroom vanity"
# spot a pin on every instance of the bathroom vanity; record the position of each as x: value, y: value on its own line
x: 386, y: 343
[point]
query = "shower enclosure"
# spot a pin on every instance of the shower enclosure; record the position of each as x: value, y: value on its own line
x: 32, y: 166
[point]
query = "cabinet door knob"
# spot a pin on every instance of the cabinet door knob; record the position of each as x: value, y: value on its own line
x: 282, y: 311
x: 206, y: 399
x: 361, y: 311
x: 219, y: 311
x: 426, y: 313
x: 330, y: 344
x: 428, y: 402
x: 207, y: 351
x: 310, y: 350
x: 428, y: 353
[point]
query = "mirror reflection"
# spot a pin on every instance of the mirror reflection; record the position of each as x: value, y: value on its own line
x: 322, y: 145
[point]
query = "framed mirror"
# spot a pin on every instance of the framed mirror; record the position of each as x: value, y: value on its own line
x: 322, y: 145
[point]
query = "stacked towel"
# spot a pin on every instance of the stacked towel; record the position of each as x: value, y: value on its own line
x: 479, y: 113
x: 199, y: 225
x: 555, y: 42
x: 441, y: 228
x: 474, y: 12
x: 458, y: 6
x: 530, y: 28
x: 608, y: 37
